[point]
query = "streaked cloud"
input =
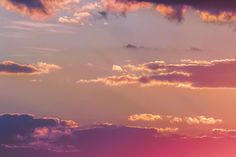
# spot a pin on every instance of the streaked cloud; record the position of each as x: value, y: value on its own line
x: 193, y: 120
x: 186, y: 73
x: 12, y: 68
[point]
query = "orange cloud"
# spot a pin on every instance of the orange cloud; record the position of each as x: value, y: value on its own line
x: 123, y: 6
x: 37, y: 9
x: 202, y: 120
x: 144, y: 117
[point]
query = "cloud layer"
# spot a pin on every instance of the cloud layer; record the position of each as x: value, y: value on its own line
x: 12, y: 68
x: 24, y: 135
x: 218, y: 11
x: 186, y: 73
x: 37, y: 9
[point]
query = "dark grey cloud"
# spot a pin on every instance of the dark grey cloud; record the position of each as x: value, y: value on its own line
x: 102, y: 140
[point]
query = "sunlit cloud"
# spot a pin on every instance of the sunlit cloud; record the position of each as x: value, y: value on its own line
x: 37, y: 9
x: 56, y: 137
x: 117, y: 68
x: 217, y: 12
x: 193, y: 120
x: 12, y: 68
x: 186, y: 73
x: 202, y: 120
x: 144, y: 117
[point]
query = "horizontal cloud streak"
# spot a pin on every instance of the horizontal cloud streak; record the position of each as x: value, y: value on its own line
x: 173, y: 119
x: 187, y: 73
x: 11, y: 68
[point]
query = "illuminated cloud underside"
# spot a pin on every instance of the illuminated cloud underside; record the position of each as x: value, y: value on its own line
x: 187, y: 73
x: 218, y: 11
x: 12, y: 68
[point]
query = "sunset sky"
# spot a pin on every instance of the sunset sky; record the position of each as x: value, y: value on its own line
x: 130, y: 78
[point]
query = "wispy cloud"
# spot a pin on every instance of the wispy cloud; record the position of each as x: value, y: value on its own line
x: 37, y: 26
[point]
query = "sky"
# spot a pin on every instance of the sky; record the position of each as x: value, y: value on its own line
x: 117, y: 78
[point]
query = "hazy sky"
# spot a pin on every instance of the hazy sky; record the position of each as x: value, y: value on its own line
x: 134, y: 65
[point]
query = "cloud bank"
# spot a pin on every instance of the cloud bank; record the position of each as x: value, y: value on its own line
x: 24, y: 135
x: 218, y: 11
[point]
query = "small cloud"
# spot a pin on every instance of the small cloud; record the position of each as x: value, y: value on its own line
x: 202, y: 120
x: 130, y: 46
x: 12, y: 68
x: 195, y: 49
x: 117, y: 68
x: 144, y: 117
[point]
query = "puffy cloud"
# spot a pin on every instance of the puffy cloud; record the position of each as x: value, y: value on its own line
x: 37, y: 9
x: 124, y: 6
x: 81, y: 15
x: 208, y: 10
x: 173, y: 119
x: 144, y: 117
x: 117, y: 68
x: 24, y: 128
x: 12, y: 68
x: 187, y: 73
x: 202, y: 120
x: 24, y: 135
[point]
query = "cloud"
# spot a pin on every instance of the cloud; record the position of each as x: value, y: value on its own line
x: 208, y: 10
x: 130, y: 46
x: 195, y: 49
x: 82, y: 14
x: 144, y: 117
x: 24, y: 135
x: 23, y: 128
x: 202, y: 120
x: 112, y: 80
x: 37, y: 26
x: 12, y: 68
x: 218, y: 11
x: 223, y: 132
x: 37, y: 9
x: 193, y: 120
x: 117, y: 68
x: 186, y: 73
